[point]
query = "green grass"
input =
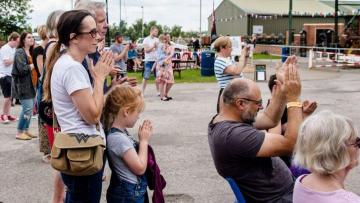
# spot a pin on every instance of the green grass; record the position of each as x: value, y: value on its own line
x: 187, y: 76
x: 265, y: 56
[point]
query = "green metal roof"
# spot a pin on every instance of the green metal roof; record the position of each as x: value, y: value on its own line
x: 300, y: 7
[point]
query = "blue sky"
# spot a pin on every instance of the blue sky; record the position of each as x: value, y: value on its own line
x: 185, y: 13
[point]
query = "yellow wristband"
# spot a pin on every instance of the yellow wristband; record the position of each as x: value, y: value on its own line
x: 294, y: 104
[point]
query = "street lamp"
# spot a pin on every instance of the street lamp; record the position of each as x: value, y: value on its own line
x: 120, y: 14
x: 142, y: 21
x: 200, y: 15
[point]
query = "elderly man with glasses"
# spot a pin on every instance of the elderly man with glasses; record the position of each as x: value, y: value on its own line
x: 239, y: 147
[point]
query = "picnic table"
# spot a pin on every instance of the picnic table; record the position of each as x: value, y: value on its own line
x: 177, y: 67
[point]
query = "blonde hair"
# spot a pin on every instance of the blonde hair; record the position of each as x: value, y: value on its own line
x: 52, y: 22
x: 49, y: 64
x: 162, y: 38
x: 222, y: 42
x: 120, y: 97
x: 322, y: 143
x: 41, y: 30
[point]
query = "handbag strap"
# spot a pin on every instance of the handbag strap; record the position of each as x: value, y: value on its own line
x: 55, y: 124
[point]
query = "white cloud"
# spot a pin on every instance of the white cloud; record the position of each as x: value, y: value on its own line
x: 185, y: 13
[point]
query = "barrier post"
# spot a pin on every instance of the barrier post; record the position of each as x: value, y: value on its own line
x: 311, y: 53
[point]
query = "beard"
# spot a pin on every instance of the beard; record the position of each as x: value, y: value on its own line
x: 249, y: 118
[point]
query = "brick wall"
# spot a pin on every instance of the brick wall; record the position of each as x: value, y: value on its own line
x: 311, y: 31
x: 268, y: 48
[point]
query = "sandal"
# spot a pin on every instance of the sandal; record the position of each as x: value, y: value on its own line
x: 31, y: 135
x: 165, y: 99
x: 170, y: 98
x: 22, y: 136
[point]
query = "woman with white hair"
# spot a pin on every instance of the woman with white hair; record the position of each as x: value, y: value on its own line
x: 328, y: 146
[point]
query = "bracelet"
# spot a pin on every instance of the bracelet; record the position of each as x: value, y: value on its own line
x: 294, y: 104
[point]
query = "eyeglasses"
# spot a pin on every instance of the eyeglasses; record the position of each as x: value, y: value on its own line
x: 92, y: 32
x: 257, y: 102
x: 357, y: 142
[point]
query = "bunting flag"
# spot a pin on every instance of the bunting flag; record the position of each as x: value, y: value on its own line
x: 276, y: 16
x: 213, y: 29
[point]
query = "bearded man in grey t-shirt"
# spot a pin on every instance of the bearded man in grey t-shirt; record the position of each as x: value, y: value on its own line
x: 120, y: 52
x: 242, y: 151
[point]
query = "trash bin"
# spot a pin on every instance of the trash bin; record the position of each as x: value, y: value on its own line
x: 207, y: 63
x: 284, y: 53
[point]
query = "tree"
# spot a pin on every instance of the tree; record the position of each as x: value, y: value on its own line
x: 189, y: 34
x: 121, y: 28
x: 166, y: 29
x: 134, y: 31
x: 138, y: 26
x: 148, y: 26
x: 13, y: 16
x: 175, y: 31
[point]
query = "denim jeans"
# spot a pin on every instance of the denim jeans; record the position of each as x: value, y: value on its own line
x: 121, y: 191
x: 25, y: 114
x: 147, y: 69
x: 83, y: 189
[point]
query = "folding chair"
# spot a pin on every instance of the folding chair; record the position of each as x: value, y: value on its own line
x: 236, y: 190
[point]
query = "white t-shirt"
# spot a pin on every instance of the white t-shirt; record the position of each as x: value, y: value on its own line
x: 219, y: 67
x: 149, y: 42
x: 69, y: 76
x: 6, y: 52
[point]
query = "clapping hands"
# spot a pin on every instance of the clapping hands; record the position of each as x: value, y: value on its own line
x: 288, y: 84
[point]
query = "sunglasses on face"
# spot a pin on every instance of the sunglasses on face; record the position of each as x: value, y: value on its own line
x: 257, y: 102
x: 357, y: 142
x: 92, y: 32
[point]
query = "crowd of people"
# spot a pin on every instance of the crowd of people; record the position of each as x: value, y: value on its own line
x: 65, y: 80
x: 66, y: 77
x: 317, y: 151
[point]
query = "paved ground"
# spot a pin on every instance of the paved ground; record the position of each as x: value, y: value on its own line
x: 180, y: 140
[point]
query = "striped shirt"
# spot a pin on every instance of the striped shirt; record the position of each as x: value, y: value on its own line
x: 219, y: 68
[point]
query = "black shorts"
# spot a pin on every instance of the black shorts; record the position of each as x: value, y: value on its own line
x: 5, y: 83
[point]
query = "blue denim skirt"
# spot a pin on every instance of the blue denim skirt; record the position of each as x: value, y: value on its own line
x: 121, y: 191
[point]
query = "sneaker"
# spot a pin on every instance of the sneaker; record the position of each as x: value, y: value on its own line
x: 31, y: 135
x: 23, y: 136
x: 11, y: 118
x: 5, y: 119
x: 46, y: 158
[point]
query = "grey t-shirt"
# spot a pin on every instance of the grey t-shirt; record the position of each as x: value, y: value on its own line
x: 234, y: 147
x: 117, y: 144
x: 117, y: 49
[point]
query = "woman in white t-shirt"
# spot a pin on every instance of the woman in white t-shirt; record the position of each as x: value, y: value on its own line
x: 225, y: 69
x: 77, y: 103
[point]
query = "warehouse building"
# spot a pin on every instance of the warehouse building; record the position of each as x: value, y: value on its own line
x: 245, y: 17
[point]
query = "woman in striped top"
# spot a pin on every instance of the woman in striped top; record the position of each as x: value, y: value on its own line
x: 225, y: 68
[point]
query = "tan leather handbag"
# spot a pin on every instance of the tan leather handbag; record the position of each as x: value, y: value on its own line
x: 77, y: 154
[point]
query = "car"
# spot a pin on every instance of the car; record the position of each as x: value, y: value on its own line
x: 36, y: 38
x: 177, y: 47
